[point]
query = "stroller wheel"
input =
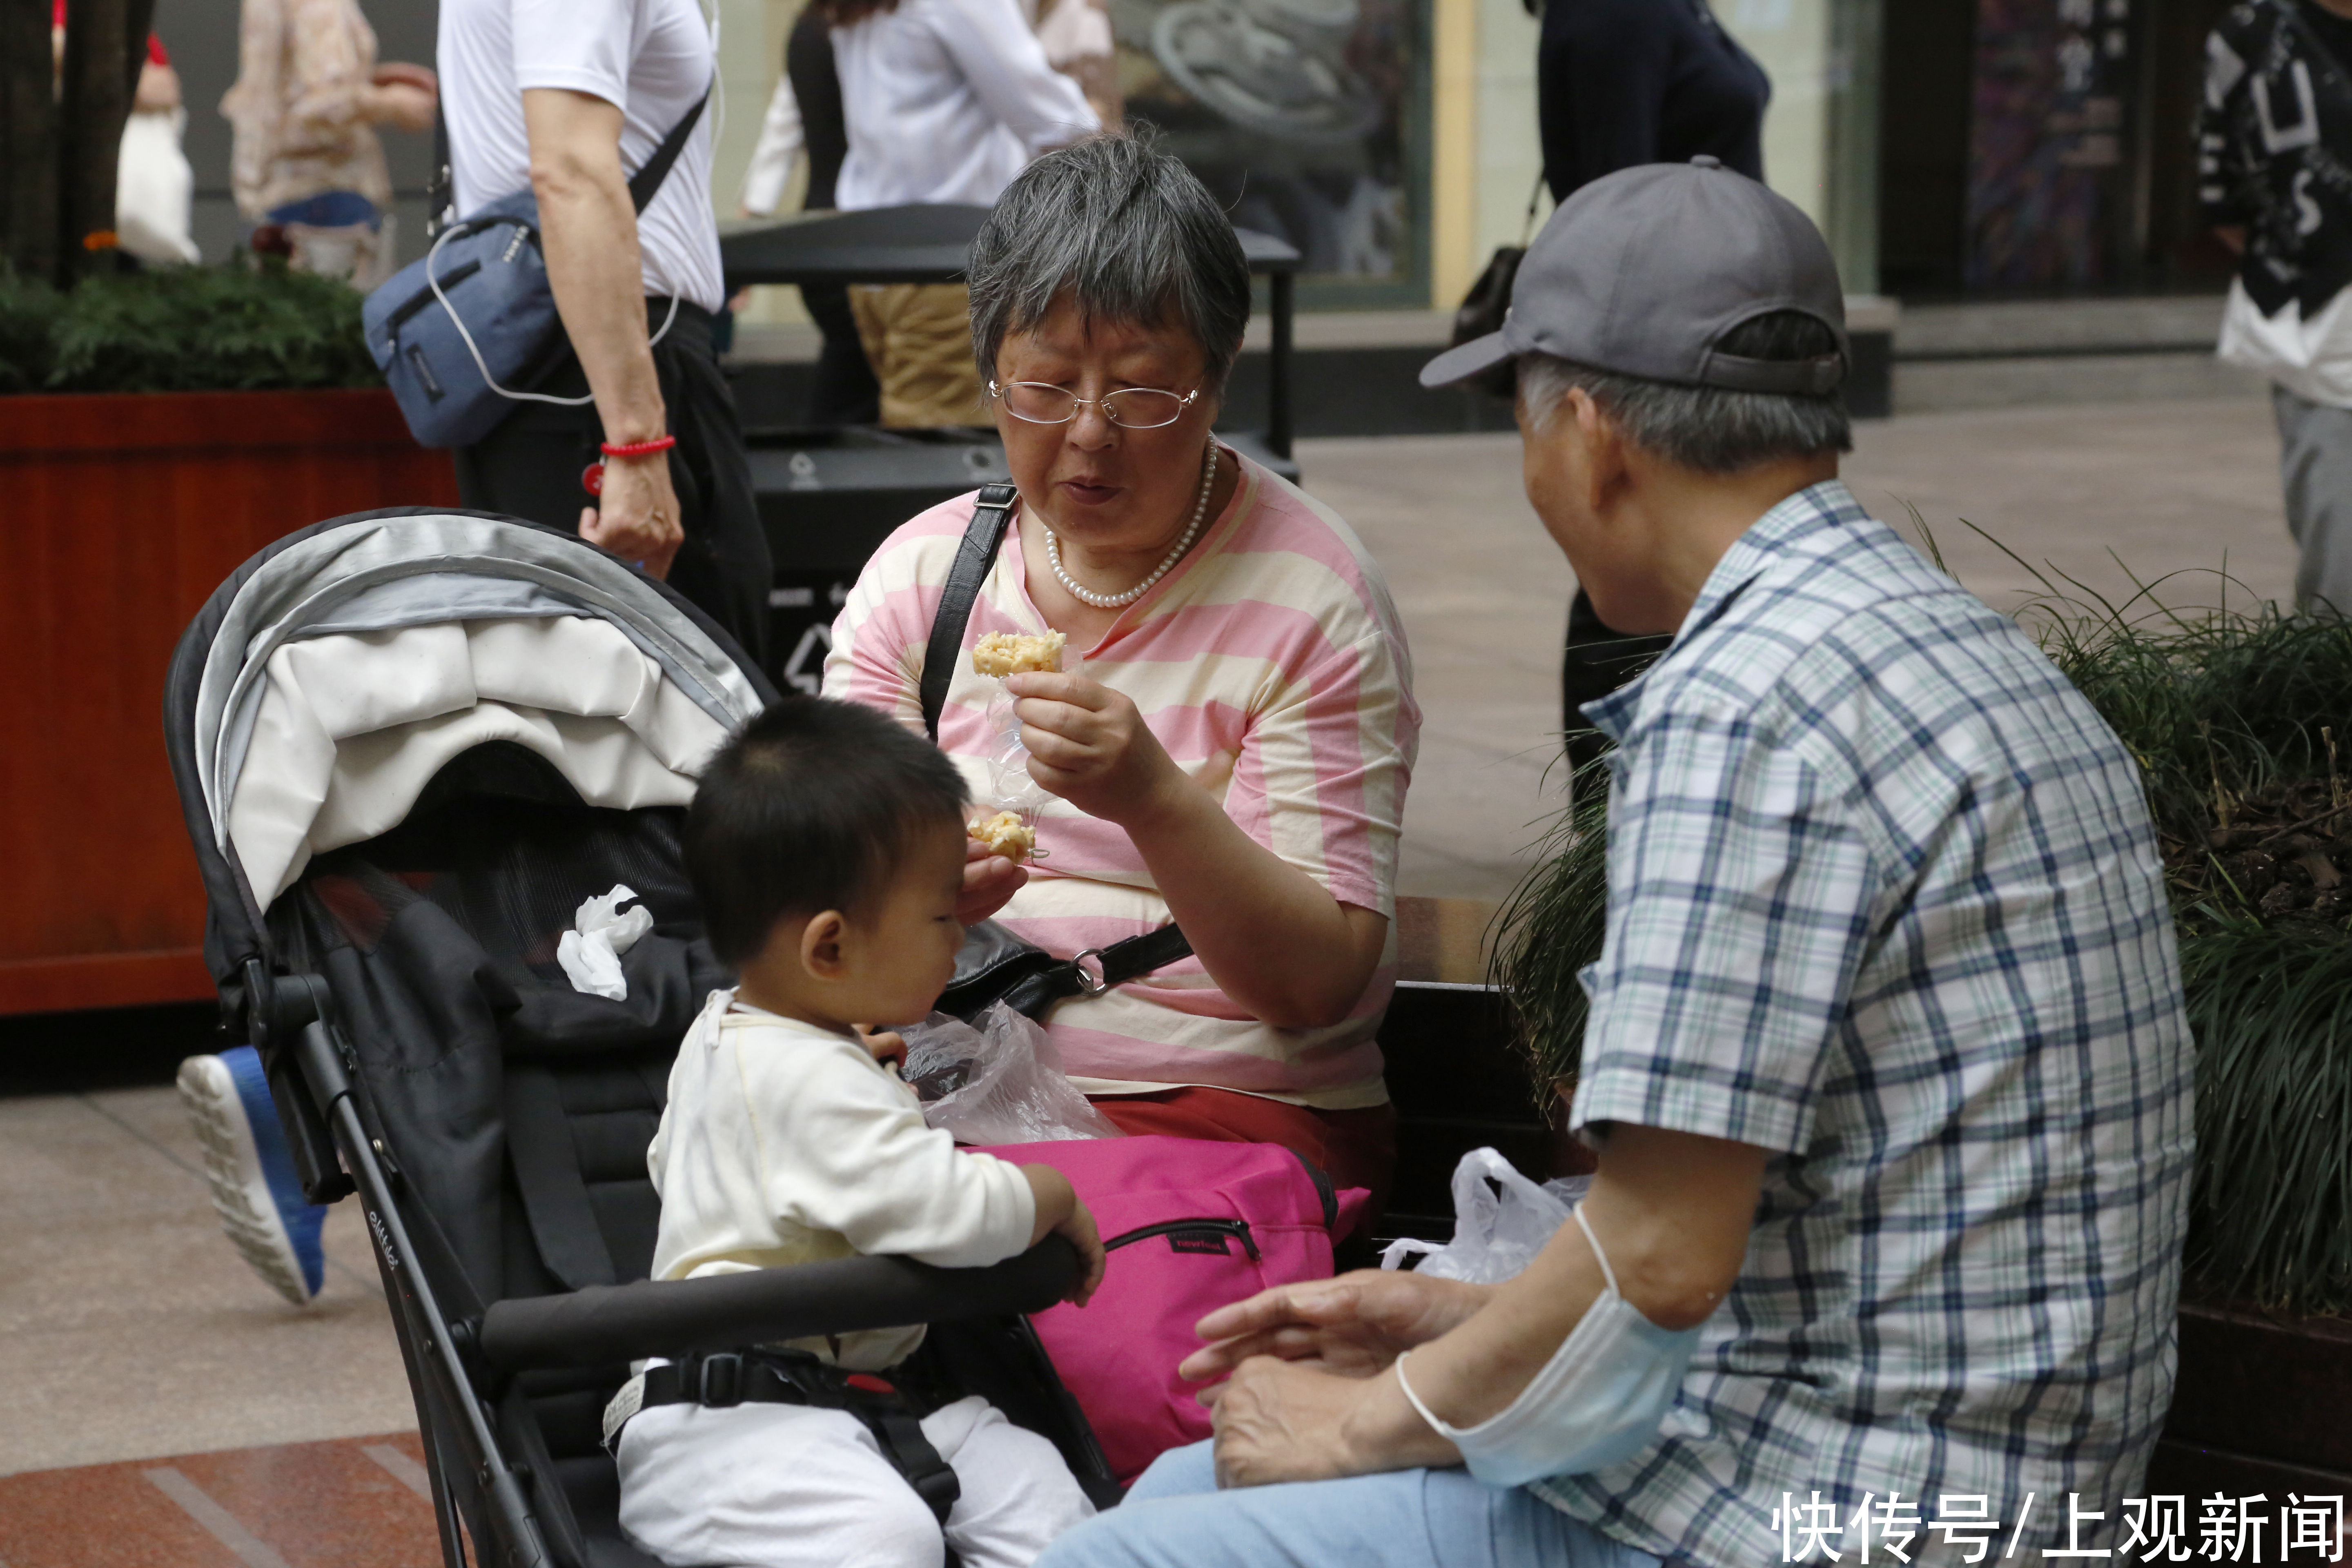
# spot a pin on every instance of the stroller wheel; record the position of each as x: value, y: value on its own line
x: 251, y: 1174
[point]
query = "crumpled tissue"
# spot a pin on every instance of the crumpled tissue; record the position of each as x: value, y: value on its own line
x: 591, y: 952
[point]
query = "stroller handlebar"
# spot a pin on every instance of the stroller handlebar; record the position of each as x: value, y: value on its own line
x: 607, y: 1323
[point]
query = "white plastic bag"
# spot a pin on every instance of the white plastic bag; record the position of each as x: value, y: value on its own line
x: 153, y: 187
x: 591, y: 952
x: 1497, y: 1233
x: 1001, y: 1083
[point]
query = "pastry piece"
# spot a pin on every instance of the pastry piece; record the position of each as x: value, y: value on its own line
x: 1006, y: 834
x: 1017, y: 653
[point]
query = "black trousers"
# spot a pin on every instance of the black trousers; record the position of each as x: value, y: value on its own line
x: 1596, y: 660
x: 531, y: 466
x: 845, y: 391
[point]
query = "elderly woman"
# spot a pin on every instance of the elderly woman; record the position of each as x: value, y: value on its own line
x: 1229, y: 747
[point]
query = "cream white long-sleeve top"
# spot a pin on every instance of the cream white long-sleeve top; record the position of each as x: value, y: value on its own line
x: 946, y: 100
x: 784, y: 1143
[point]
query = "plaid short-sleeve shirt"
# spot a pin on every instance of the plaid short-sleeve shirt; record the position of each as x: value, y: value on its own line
x: 1885, y: 900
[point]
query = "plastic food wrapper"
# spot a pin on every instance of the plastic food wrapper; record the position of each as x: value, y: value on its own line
x: 1501, y: 1220
x: 1000, y: 1083
x: 591, y: 952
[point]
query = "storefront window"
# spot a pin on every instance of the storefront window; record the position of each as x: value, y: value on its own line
x: 1308, y: 119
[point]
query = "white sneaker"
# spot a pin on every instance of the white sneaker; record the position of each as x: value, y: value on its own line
x: 251, y: 1172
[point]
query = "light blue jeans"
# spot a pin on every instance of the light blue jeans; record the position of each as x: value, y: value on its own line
x: 1176, y: 1518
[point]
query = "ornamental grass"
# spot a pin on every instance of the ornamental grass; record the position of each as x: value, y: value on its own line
x: 2241, y: 719
x: 252, y: 324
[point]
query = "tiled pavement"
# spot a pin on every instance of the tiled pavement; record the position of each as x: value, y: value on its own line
x: 354, y: 1504
x: 164, y: 1408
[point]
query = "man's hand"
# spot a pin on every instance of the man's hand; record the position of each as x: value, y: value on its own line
x: 1090, y: 745
x: 989, y: 883
x: 1278, y: 1421
x: 638, y: 516
x: 588, y: 230
x: 1351, y: 1327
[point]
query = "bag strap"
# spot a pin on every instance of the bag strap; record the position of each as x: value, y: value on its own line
x: 973, y: 559
x: 647, y: 180
x: 441, y: 191
x: 1138, y: 955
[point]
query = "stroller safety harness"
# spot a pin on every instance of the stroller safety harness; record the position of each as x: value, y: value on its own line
x: 408, y: 744
x: 721, y: 1380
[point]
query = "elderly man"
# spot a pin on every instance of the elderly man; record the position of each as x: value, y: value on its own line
x: 1887, y: 1065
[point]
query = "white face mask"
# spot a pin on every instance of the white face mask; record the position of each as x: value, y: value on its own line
x: 1598, y: 1399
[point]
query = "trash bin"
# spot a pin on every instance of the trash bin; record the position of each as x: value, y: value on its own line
x: 828, y: 498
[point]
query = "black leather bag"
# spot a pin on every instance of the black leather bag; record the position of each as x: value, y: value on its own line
x: 995, y: 965
x: 1489, y: 301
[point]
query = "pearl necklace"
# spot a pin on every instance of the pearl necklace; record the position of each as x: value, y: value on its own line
x: 1119, y: 600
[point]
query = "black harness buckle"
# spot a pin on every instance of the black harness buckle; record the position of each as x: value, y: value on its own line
x: 720, y: 1380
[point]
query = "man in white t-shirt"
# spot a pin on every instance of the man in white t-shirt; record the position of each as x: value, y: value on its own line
x: 569, y: 98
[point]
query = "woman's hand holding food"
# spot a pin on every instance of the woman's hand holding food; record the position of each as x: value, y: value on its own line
x: 990, y: 881
x: 1090, y: 745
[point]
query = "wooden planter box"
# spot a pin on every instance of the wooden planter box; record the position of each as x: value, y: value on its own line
x: 2259, y: 1405
x: 124, y: 513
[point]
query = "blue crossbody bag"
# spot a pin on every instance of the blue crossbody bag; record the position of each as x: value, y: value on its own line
x: 460, y: 332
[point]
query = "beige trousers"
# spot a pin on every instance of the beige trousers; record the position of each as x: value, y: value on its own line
x: 919, y: 338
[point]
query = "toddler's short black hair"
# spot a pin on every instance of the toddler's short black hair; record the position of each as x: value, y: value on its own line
x: 810, y: 807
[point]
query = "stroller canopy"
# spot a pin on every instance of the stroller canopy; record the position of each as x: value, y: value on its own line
x: 331, y: 678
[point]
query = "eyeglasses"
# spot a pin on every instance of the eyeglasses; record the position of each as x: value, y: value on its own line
x: 1129, y: 408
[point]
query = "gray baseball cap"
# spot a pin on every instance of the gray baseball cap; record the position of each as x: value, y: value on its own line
x: 1645, y: 270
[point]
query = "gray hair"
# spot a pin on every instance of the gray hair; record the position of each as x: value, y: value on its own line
x: 1706, y: 428
x: 1128, y: 234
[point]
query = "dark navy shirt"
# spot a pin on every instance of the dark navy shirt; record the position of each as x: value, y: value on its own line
x: 808, y: 60
x: 1621, y: 82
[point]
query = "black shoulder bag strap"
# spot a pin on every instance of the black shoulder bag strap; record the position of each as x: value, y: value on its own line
x: 974, y: 556
x: 650, y: 174
x: 441, y: 190
x: 998, y: 966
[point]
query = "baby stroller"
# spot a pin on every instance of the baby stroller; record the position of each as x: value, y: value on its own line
x: 409, y: 744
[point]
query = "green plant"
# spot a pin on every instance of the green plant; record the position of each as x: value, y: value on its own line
x: 1552, y: 927
x: 30, y: 308
x: 245, y: 326
x: 2270, y: 1213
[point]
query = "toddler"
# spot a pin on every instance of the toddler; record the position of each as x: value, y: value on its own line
x: 826, y: 848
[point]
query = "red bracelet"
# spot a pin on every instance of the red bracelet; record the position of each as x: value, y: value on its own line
x: 592, y: 477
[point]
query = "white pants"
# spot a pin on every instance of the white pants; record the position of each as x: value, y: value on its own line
x: 784, y: 1486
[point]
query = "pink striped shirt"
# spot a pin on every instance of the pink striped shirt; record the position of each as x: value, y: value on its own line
x: 1272, y: 642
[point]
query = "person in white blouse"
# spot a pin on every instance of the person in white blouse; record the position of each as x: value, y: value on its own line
x: 946, y: 100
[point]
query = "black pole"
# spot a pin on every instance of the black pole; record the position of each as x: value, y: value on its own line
x: 105, y: 41
x: 1277, y: 387
x: 28, y: 138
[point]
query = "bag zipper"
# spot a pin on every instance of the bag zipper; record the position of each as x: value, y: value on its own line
x: 1218, y: 1228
